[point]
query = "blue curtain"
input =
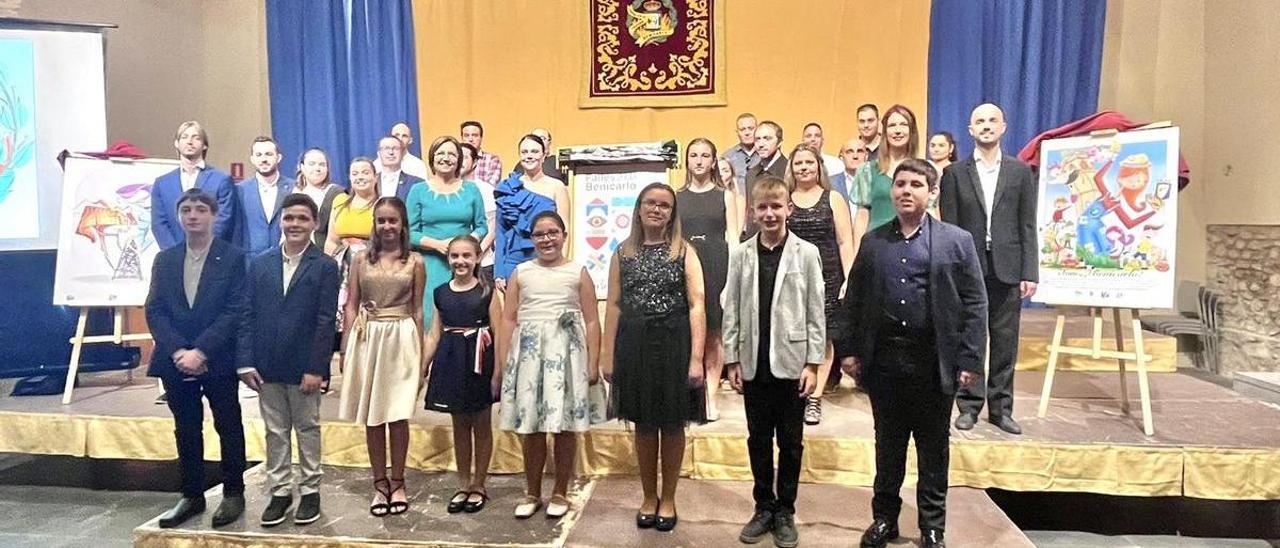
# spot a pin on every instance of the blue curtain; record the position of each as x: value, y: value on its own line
x: 1040, y: 60
x: 341, y: 73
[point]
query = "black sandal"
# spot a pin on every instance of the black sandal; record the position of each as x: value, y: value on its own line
x: 380, y: 509
x: 471, y: 507
x: 458, y: 504
x: 397, y: 507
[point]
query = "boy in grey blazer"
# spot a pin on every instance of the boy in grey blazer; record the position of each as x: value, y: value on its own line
x: 774, y: 339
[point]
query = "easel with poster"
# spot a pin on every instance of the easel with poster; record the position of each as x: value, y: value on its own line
x: 1106, y: 225
x: 604, y: 182
x: 105, y: 245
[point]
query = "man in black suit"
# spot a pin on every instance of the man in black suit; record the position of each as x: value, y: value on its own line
x: 193, y: 312
x: 993, y: 196
x: 768, y: 148
x: 916, y: 318
x: 285, y: 342
x: 392, y: 180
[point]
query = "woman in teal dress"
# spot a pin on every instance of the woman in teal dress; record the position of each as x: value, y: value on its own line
x: 441, y: 209
x: 874, y: 179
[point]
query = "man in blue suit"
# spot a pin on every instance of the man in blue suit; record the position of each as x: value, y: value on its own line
x: 193, y: 310
x: 392, y: 180
x: 915, y: 330
x: 260, y: 198
x: 285, y: 343
x: 192, y: 144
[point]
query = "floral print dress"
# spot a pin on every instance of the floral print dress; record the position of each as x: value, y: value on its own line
x: 545, y: 384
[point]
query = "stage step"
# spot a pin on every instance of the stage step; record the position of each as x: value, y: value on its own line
x: 1262, y: 385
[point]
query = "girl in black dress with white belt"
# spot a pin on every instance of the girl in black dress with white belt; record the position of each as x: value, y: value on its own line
x: 821, y: 217
x: 652, y: 346
x: 709, y: 220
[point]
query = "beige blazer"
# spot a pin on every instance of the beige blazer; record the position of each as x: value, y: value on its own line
x: 798, y: 333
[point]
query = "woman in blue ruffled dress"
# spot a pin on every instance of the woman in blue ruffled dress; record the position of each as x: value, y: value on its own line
x: 520, y: 198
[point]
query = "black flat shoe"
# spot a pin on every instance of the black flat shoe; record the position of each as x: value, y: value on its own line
x: 666, y: 524
x: 647, y: 521
x: 473, y: 506
x: 458, y: 502
x: 186, y: 509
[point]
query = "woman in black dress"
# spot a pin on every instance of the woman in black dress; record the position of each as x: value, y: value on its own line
x: 459, y: 351
x: 821, y: 217
x: 709, y: 220
x: 652, y: 351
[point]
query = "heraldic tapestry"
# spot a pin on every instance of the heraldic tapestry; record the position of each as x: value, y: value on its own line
x: 655, y: 53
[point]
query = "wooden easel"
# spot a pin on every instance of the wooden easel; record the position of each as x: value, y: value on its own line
x: 1095, y: 351
x: 118, y: 336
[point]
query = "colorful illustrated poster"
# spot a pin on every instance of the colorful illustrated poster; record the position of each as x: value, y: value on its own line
x: 604, y: 198
x: 1107, y: 220
x: 105, y: 244
x: 19, y: 201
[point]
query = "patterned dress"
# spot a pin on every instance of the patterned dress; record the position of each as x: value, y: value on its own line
x: 817, y: 226
x: 545, y: 384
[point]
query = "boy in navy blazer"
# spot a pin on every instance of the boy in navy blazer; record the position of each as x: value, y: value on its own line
x: 915, y: 331
x: 193, y: 312
x: 192, y: 144
x: 285, y: 344
x: 774, y: 339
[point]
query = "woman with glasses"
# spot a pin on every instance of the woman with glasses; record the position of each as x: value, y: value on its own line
x: 653, y: 344
x: 441, y: 209
x: 521, y: 197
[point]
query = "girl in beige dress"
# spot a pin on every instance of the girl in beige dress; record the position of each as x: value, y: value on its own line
x: 384, y: 367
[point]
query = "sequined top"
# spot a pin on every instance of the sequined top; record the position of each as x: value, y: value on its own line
x: 652, y: 284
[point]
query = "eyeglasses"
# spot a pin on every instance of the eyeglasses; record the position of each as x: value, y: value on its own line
x: 654, y: 204
x: 549, y: 235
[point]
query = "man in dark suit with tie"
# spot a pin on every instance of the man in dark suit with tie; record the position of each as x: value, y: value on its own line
x: 285, y: 342
x: 392, y: 180
x: 771, y: 162
x: 193, y: 309
x: 916, y: 318
x: 192, y: 144
x: 993, y: 196
x: 258, y: 223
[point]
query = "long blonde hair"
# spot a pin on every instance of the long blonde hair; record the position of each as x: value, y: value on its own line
x: 671, y: 233
x: 823, y: 180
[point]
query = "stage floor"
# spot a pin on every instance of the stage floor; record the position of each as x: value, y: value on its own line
x: 1209, y: 441
x: 711, y: 514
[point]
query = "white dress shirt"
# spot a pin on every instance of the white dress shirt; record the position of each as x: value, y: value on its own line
x: 988, y: 175
x: 388, y: 182
x: 188, y: 178
x: 268, y: 191
x: 832, y: 165
x: 291, y: 265
x: 414, y: 165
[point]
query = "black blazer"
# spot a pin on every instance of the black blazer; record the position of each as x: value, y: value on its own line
x: 285, y: 335
x: 777, y: 169
x: 957, y: 301
x: 210, y: 325
x: 1013, y: 221
x: 405, y: 185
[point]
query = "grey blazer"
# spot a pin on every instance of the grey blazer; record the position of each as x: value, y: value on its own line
x: 797, y: 334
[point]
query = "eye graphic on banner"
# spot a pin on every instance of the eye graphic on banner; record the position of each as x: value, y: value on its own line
x: 655, y: 53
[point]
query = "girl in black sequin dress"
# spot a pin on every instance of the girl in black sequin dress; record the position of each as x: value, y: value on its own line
x: 709, y: 220
x: 821, y: 217
x: 652, y: 346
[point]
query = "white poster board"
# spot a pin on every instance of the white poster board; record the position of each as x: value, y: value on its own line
x: 1107, y: 220
x: 105, y: 244
x: 603, y: 200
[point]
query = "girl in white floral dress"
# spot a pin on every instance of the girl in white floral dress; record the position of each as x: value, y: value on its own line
x: 550, y: 383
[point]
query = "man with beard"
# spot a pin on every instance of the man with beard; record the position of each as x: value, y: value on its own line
x: 869, y: 128
x: 258, y: 226
x: 993, y: 196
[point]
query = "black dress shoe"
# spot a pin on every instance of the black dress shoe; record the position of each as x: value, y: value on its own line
x: 760, y: 525
x: 932, y: 539
x: 229, y: 510
x: 1006, y: 423
x: 966, y: 421
x: 186, y: 508
x: 878, y: 534
x: 785, y: 534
